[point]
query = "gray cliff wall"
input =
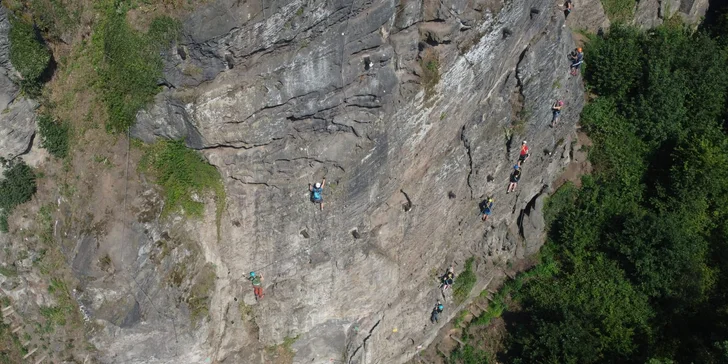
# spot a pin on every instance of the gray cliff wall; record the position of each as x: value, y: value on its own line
x: 651, y: 13
x: 279, y: 96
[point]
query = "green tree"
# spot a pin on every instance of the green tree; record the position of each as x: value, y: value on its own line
x: 583, y: 316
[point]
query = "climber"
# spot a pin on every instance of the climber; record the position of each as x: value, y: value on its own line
x: 257, y: 281
x: 317, y: 193
x: 524, y: 153
x: 568, y: 6
x: 515, y: 176
x: 486, y: 208
x: 577, y: 58
x: 556, y: 109
x: 435, y: 317
x: 448, y: 278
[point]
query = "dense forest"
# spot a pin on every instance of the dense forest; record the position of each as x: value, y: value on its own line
x: 641, y: 247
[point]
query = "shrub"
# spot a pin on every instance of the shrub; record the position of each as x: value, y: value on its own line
x: 199, y: 298
x: 464, y: 282
x: 560, y: 200
x: 130, y: 65
x: 28, y: 54
x: 17, y: 187
x: 430, y: 63
x: 54, y: 135
x: 469, y: 355
x: 182, y: 173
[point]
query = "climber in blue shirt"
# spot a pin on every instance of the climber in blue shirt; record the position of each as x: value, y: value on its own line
x: 577, y: 58
x: 317, y: 190
x: 486, y: 207
x: 435, y: 316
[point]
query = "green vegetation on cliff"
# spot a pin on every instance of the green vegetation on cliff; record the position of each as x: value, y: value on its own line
x: 28, y: 54
x: 17, y: 186
x: 183, y: 175
x: 130, y: 67
x: 54, y: 135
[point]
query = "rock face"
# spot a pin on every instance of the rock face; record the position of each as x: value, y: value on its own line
x: 17, y: 128
x: 589, y: 15
x: 413, y: 111
x: 17, y: 116
x: 651, y: 13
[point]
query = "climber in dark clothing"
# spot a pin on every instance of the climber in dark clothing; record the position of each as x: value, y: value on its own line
x: 556, y: 109
x: 435, y: 316
x: 317, y: 192
x: 568, y: 6
x: 448, y: 278
x: 486, y: 208
x: 515, y: 177
x: 577, y: 58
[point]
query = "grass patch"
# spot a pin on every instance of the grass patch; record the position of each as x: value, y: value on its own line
x: 17, y: 187
x: 464, y: 283
x: 430, y: 63
x: 8, y: 272
x: 54, y: 135
x: 245, y: 311
x: 468, y: 354
x: 105, y: 263
x: 28, y: 54
x: 519, y: 123
x: 199, y: 298
x: 11, y: 350
x: 54, y: 315
x: 184, y: 176
x: 283, y: 352
x: 619, y: 10
x: 460, y: 318
x: 63, y: 311
x: 511, y: 289
x: 129, y: 64
x: 54, y: 17
x: 289, y: 341
x: 44, y: 222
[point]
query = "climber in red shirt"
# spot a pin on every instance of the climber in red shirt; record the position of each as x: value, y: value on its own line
x: 524, y: 153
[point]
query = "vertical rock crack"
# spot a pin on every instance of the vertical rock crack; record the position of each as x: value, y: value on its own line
x: 466, y: 144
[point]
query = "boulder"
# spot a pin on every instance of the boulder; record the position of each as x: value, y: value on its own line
x: 17, y: 127
x: 8, y: 88
x: 165, y: 119
x: 589, y: 15
x: 533, y: 225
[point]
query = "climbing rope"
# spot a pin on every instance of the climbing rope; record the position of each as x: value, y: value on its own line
x: 130, y: 278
